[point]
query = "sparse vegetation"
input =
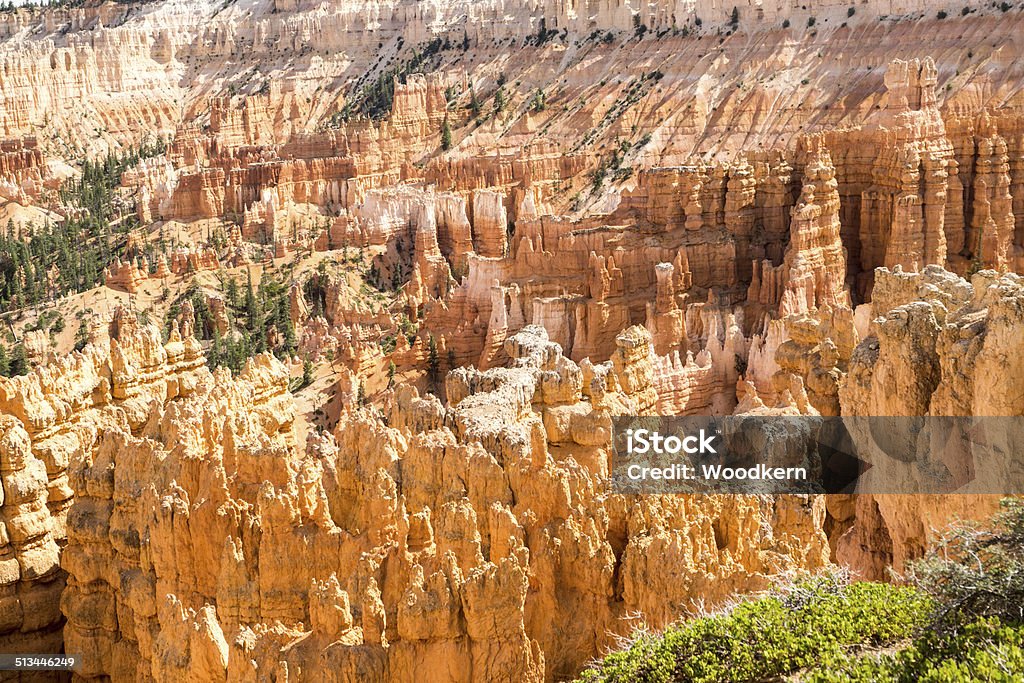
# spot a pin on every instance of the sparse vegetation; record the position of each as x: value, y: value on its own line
x: 44, y: 263
x: 262, y: 322
x: 474, y: 103
x: 543, y: 33
x: 374, y: 99
x: 499, y: 101
x: 639, y: 27
x: 537, y: 104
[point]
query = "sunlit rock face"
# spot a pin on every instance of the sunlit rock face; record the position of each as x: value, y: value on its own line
x: 665, y: 212
x: 204, y: 541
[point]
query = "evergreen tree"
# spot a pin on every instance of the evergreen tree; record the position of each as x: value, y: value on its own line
x: 239, y: 352
x: 81, y: 336
x: 214, y: 358
x: 433, y: 365
x: 19, y: 361
x: 231, y: 290
x: 289, y: 339
x: 499, y: 101
x: 252, y: 309
x: 446, y: 135
x: 307, y: 372
x: 391, y: 373
x: 538, y: 104
x: 5, y: 362
x: 474, y: 103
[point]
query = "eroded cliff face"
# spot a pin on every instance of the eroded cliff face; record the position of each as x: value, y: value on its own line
x: 52, y: 420
x: 205, y: 543
x: 938, y: 345
x: 685, y: 218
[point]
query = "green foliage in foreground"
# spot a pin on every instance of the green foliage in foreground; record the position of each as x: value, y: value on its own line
x: 985, y: 650
x: 961, y: 621
x: 813, y: 623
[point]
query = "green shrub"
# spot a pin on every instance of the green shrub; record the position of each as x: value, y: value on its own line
x: 985, y: 650
x: 800, y: 627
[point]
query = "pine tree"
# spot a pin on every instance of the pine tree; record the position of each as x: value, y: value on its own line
x: 81, y: 336
x: 391, y: 373
x: 474, y: 103
x: 19, y: 361
x: 252, y: 312
x: 499, y: 101
x: 231, y: 290
x: 214, y: 358
x: 289, y: 338
x: 240, y: 352
x: 5, y: 362
x: 433, y: 365
x: 361, y: 395
x: 446, y: 135
x: 307, y: 372
x: 538, y: 104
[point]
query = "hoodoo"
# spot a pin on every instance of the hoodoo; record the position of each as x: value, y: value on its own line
x: 319, y: 323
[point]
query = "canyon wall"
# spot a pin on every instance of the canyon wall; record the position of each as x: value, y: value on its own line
x: 636, y: 213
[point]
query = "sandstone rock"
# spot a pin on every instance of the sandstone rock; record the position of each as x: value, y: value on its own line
x: 939, y: 349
